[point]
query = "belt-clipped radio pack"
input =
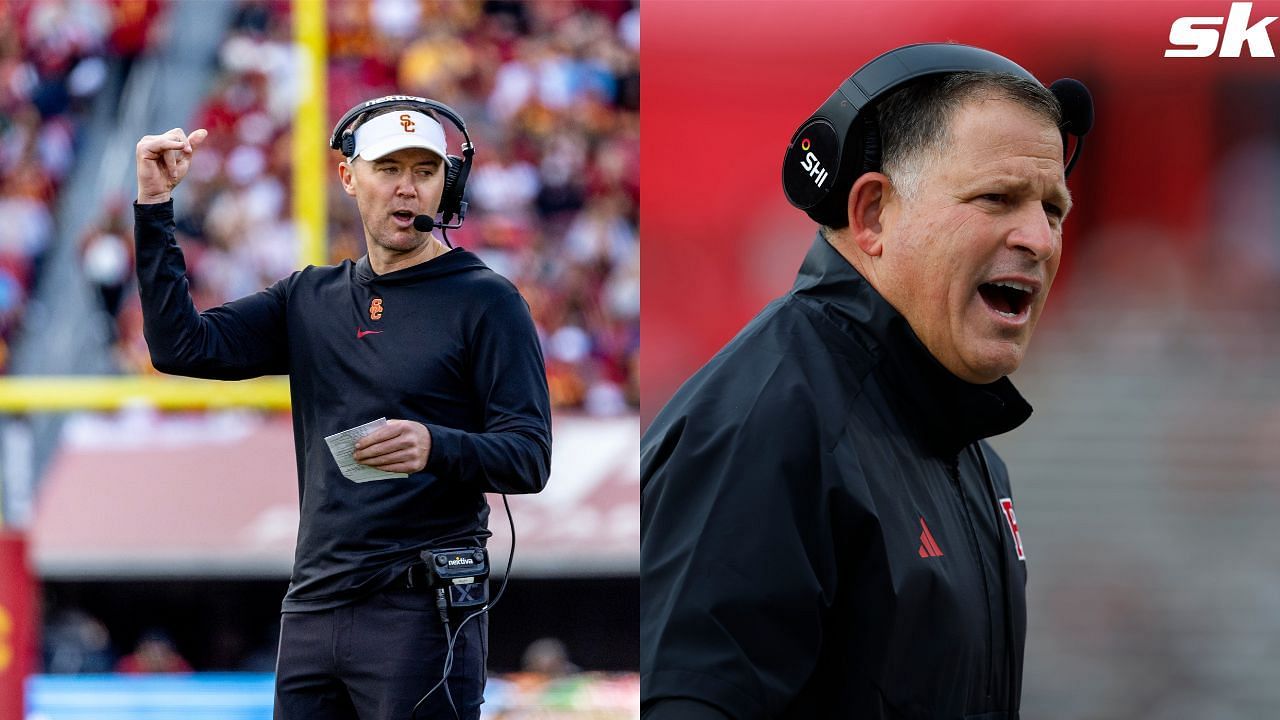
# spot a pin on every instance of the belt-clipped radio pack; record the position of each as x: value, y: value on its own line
x: 461, y: 572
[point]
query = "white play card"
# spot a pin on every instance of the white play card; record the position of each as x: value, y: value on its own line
x: 343, y: 447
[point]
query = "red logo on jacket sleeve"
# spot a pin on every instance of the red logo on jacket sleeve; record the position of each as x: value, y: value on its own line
x: 1006, y: 505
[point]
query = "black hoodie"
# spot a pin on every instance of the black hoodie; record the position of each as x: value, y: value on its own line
x: 448, y: 343
x: 824, y: 534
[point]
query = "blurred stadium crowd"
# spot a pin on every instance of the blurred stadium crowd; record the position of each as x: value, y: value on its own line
x: 52, y: 64
x: 550, y: 91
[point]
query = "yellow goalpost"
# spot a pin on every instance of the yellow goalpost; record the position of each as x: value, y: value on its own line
x: 34, y: 393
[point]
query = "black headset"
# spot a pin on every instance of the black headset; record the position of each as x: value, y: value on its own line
x: 838, y: 143
x: 456, y: 170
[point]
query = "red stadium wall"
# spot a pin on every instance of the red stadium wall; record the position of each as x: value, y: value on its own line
x: 17, y: 624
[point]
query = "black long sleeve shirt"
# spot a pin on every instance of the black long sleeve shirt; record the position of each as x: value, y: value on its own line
x: 448, y: 343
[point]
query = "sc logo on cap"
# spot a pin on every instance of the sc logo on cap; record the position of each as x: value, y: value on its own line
x: 406, y: 122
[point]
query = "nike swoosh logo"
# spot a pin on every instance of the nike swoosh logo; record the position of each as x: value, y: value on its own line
x: 361, y: 333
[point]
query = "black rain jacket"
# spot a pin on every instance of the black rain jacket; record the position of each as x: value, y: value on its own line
x: 824, y: 534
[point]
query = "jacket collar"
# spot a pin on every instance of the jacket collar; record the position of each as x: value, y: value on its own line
x: 945, y: 411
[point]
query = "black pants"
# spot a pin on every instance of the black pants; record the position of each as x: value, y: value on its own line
x: 374, y: 660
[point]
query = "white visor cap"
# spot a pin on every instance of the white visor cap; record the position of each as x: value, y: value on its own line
x: 397, y: 130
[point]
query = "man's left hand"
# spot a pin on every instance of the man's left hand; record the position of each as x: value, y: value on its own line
x: 399, y: 446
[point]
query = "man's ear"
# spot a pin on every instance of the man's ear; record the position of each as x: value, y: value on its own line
x: 348, y: 177
x: 866, y: 209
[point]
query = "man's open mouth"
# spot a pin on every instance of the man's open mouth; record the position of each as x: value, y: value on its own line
x: 1007, y: 297
x: 406, y: 215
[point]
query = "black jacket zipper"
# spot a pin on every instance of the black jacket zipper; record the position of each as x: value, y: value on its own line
x: 1005, y: 584
x: 953, y: 468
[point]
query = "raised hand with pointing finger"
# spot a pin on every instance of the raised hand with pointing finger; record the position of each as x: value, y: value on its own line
x: 163, y: 161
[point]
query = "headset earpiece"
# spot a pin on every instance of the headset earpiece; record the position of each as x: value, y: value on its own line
x: 818, y: 173
x: 343, y: 139
x: 451, y: 198
x: 833, y: 211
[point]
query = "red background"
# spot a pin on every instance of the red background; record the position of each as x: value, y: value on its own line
x: 17, y: 626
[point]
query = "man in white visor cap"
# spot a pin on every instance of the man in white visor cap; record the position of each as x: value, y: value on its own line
x: 430, y: 360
